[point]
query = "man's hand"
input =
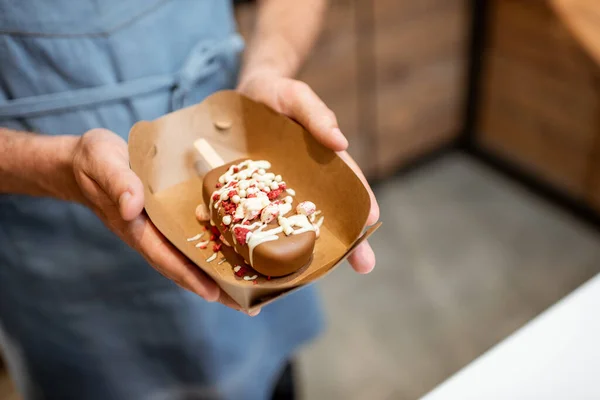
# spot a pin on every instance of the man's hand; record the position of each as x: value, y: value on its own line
x: 113, y: 191
x: 298, y: 101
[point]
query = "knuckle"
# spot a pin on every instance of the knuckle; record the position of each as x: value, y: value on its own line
x: 330, y: 114
x: 300, y: 87
x: 96, y: 133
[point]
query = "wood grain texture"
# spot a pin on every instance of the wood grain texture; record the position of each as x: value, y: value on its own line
x: 421, y: 61
x: 540, y: 101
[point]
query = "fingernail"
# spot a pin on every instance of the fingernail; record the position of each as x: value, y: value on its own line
x: 254, y: 313
x: 337, y: 132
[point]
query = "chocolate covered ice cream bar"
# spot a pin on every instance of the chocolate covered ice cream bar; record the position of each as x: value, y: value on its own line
x: 255, y: 212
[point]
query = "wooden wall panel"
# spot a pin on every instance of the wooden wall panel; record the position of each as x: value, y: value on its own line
x: 420, y: 49
x: 332, y: 72
x: 540, y: 101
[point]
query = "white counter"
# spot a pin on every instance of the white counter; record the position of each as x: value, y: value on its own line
x: 555, y: 356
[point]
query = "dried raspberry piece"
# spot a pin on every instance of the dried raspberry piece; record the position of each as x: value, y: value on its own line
x: 232, y: 193
x: 251, y: 195
x: 282, y: 186
x: 236, y: 170
x: 255, y: 282
x: 242, y: 271
x: 272, y: 195
x: 268, y: 278
x: 215, y: 197
x: 218, y: 185
x: 212, y: 237
x: 215, y: 231
x: 240, y: 234
x: 229, y: 208
x: 217, y: 247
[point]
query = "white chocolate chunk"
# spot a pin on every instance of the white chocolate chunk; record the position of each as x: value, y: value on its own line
x: 262, y: 164
x: 274, y: 186
x: 291, y: 192
x: 235, y: 199
x: 203, y: 244
x: 194, y: 238
x: 278, y: 178
x: 222, y: 124
x: 227, y: 220
x: 269, y: 213
x: 306, y: 208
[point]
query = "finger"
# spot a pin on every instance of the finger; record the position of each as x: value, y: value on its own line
x: 254, y: 313
x: 374, y: 211
x: 301, y: 103
x: 108, y: 165
x: 226, y: 300
x: 362, y: 258
x: 145, y: 237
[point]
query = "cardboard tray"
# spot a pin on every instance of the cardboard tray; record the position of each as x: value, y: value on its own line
x: 162, y: 154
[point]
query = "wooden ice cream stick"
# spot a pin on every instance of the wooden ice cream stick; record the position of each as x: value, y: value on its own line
x: 208, y: 153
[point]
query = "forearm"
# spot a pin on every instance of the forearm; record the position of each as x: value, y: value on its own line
x: 37, y: 165
x: 284, y: 34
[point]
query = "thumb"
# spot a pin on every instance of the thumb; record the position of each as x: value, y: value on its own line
x: 298, y: 101
x: 108, y: 165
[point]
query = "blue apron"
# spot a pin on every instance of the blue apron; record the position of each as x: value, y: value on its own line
x: 82, y: 316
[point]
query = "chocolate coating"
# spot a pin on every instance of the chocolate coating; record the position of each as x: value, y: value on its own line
x: 279, y: 257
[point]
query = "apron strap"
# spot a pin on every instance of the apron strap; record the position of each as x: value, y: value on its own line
x: 201, y: 63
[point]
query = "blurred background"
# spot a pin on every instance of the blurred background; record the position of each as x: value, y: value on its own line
x: 478, y: 123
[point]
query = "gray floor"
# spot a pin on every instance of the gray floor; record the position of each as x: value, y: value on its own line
x: 465, y: 257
